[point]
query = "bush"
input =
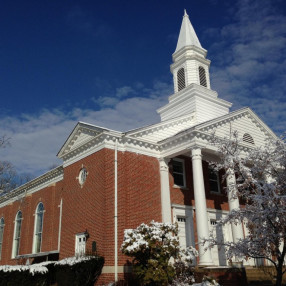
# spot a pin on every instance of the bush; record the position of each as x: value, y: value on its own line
x: 23, y: 275
x: 82, y: 271
x: 78, y: 271
x: 153, y: 247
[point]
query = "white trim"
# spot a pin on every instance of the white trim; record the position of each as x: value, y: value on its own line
x: 1, y: 234
x: 14, y: 244
x: 36, y: 221
x: 60, y: 224
x: 115, y: 213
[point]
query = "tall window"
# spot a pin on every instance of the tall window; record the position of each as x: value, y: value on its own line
x: 1, y: 234
x: 39, y: 215
x: 181, y: 79
x: 17, y: 234
x: 214, y: 181
x: 202, y: 75
x: 179, y: 172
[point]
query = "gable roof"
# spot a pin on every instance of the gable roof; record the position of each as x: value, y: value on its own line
x: 215, y: 124
x: 82, y: 134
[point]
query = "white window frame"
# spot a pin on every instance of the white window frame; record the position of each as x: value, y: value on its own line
x: 217, y: 180
x: 16, y: 245
x: 184, y: 172
x: 2, y: 224
x: 38, y: 235
x: 79, y: 236
x: 82, y: 176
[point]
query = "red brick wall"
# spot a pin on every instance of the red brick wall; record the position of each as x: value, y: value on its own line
x: 89, y: 207
x: 28, y: 207
x: 185, y: 196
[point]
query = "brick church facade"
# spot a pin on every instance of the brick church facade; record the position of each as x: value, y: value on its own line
x: 110, y: 181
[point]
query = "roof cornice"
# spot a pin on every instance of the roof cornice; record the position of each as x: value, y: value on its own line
x: 40, y: 182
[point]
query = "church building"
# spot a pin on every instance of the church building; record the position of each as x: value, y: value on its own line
x: 110, y: 181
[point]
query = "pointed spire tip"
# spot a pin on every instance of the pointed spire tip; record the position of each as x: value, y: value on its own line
x: 185, y: 13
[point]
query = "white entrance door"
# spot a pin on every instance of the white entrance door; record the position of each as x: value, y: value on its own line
x: 218, y: 252
x: 182, y: 231
x: 80, y: 244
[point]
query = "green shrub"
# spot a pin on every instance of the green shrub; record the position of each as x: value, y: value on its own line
x: 78, y: 271
x: 22, y: 276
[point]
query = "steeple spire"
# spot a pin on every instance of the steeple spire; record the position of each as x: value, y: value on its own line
x: 187, y: 35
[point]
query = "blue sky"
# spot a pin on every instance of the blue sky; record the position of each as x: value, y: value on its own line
x: 108, y: 63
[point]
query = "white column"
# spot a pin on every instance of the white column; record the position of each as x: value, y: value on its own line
x: 165, y: 190
x: 201, y: 207
x: 233, y: 201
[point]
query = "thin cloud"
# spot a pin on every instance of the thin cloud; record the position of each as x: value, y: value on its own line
x: 248, y: 54
x: 36, y: 139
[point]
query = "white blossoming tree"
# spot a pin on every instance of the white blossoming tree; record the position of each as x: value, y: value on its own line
x: 156, y: 252
x: 261, y: 188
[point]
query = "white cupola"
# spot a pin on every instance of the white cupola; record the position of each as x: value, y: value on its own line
x: 192, y: 92
x: 189, y: 59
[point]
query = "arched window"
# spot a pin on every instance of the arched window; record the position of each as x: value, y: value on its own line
x: 181, y: 79
x: 38, y: 229
x: 1, y: 234
x: 202, y: 75
x: 247, y: 138
x: 17, y: 234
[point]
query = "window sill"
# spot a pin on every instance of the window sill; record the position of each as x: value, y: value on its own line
x: 216, y: 193
x: 180, y: 187
x: 36, y: 254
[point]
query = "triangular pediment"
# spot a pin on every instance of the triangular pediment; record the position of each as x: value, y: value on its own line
x: 81, y: 134
x: 244, y: 120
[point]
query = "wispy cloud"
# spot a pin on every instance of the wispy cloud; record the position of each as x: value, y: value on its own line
x: 36, y: 139
x: 249, y: 60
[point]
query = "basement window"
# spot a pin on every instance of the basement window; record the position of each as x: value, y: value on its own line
x: 181, y: 79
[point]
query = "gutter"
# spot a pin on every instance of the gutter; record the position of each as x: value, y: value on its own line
x: 115, y: 214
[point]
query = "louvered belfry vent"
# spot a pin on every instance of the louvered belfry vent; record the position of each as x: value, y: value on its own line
x: 181, y: 79
x: 247, y: 138
x: 202, y: 75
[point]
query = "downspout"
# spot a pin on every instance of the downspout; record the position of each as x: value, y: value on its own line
x: 60, y: 224
x: 115, y: 214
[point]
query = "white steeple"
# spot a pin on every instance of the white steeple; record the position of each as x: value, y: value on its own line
x: 187, y: 35
x: 192, y: 92
x: 190, y: 63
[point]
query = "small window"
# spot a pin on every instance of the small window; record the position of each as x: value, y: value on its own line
x: 39, y: 215
x: 80, y: 244
x: 214, y: 180
x: 247, y: 138
x: 181, y: 219
x: 82, y: 176
x: 1, y: 234
x: 179, y: 172
x: 17, y: 234
x: 181, y: 79
x: 213, y: 222
x: 202, y: 75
